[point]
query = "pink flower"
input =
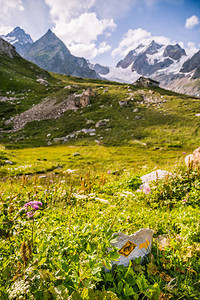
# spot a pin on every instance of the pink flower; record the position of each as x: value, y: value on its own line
x: 29, y: 214
x: 31, y: 207
x: 184, y: 152
x: 184, y: 200
x: 109, y: 171
x: 146, y: 189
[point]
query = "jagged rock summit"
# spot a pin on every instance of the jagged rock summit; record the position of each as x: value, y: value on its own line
x: 168, y: 64
x: 50, y: 53
x: 18, y: 38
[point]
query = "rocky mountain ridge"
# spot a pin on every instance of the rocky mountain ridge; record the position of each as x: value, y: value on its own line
x: 165, y: 63
x: 19, y: 39
x: 168, y: 64
x: 50, y: 53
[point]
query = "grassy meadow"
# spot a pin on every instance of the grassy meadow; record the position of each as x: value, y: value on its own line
x: 87, y: 194
x: 64, y: 192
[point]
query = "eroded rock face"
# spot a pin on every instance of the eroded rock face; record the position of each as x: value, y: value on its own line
x: 133, y: 246
x: 83, y: 99
x: 7, y: 49
x: 174, y: 51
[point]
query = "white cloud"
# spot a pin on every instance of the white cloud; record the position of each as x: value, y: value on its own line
x: 84, y: 29
x: 78, y: 27
x: 89, y: 50
x: 191, y: 48
x: 191, y: 22
x: 63, y: 11
x: 7, y: 6
x: 5, y: 29
x: 135, y: 37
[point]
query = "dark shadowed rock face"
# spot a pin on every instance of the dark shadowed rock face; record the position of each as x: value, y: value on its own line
x: 99, y: 69
x: 174, y: 52
x: 18, y: 38
x: 129, y: 58
x: 192, y: 63
x: 7, y: 49
x: 50, y: 53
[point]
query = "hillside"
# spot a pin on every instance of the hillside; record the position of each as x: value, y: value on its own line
x: 60, y: 205
x: 33, y: 114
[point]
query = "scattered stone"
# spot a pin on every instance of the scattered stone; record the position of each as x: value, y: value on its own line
x: 90, y: 122
x: 137, y: 117
x: 70, y: 171
x: 42, y: 176
x: 101, y: 123
x: 9, y: 162
x: 76, y: 154
x: 43, y: 82
x: 104, y: 201
x: 90, y: 130
x: 153, y: 176
x: 136, y: 110
x: 123, y: 103
x: 83, y: 99
x: 68, y: 87
x: 197, y: 115
x: 133, y: 246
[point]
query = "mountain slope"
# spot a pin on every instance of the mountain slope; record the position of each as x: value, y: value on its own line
x: 118, y: 113
x: 50, y: 53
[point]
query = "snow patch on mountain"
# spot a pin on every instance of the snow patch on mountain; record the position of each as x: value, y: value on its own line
x: 156, y: 57
x: 122, y: 75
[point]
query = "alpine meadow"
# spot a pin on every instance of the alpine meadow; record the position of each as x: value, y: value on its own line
x: 99, y: 165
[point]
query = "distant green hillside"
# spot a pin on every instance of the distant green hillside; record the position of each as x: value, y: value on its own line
x: 118, y: 113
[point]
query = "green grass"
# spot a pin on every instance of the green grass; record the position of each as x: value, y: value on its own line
x: 73, y: 229
x: 175, y: 117
x: 62, y: 252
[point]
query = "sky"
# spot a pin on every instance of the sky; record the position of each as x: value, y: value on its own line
x: 104, y: 31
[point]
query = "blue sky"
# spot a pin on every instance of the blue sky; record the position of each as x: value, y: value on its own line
x: 105, y: 31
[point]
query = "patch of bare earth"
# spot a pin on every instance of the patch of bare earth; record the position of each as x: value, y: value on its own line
x: 47, y: 109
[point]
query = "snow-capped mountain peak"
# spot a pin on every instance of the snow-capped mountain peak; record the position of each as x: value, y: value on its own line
x: 18, y: 35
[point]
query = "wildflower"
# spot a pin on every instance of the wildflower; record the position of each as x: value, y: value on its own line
x: 109, y: 171
x: 184, y: 152
x: 33, y: 205
x: 146, y: 189
x: 29, y: 214
x: 184, y: 200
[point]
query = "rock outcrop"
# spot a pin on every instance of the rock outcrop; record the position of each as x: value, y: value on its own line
x: 83, y: 99
x: 193, y: 160
x: 7, y: 49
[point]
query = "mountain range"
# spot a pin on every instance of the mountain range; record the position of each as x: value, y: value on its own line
x: 50, y: 53
x: 168, y: 64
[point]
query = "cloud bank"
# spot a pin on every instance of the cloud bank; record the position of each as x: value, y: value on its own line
x: 79, y: 27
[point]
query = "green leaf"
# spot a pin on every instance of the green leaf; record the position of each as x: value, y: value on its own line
x: 128, y: 290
